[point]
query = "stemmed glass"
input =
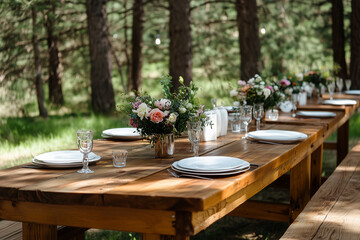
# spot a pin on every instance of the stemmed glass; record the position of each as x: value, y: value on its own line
x: 294, y: 100
x: 331, y: 89
x: 348, y: 84
x: 340, y: 84
x: 258, y: 114
x: 213, y: 102
x: 85, y: 144
x: 246, y: 117
x: 194, y: 132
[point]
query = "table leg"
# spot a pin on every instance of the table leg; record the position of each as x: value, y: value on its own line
x: 342, y: 142
x: 316, y: 169
x: 299, y: 187
x: 33, y: 231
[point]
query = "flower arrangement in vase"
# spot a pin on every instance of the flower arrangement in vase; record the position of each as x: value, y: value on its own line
x: 257, y: 91
x: 160, y: 119
x: 290, y: 84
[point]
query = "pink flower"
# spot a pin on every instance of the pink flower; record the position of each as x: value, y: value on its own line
x: 136, y: 105
x: 156, y: 115
x: 270, y: 88
x: 163, y: 104
x: 285, y: 82
x: 200, y: 111
x: 241, y: 83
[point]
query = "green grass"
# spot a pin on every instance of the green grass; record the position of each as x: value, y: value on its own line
x: 21, y: 138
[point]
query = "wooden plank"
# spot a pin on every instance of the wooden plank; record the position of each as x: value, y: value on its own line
x: 120, y: 219
x: 343, y: 142
x: 316, y: 212
x: 10, y: 230
x: 263, y: 210
x: 33, y: 231
x: 316, y: 169
x: 330, y: 145
x: 299, y: 187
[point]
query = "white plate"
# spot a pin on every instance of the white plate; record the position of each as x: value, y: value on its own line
x: 122, y: 133
x: 340, y: 102
x: 212, y: 173
x: 212, y: 163
x: 229, y: 108
x: 277, y: 135
x: 64, y: 157
x: 176, y: 166
x: 315, y: 114
x: 353, y: 92
x: 47, y: 165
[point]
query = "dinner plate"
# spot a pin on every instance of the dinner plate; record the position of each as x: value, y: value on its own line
x: 212, y: 163
x: 321, y: 114
x: 277, y: 136
x: 121, y: 133
x: 64, y: 157
x: 353, y: 92
x: 340, y: 102
x: 212, y: 173
x: 177, y: 167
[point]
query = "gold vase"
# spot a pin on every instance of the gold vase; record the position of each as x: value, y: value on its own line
x: 164, y: 145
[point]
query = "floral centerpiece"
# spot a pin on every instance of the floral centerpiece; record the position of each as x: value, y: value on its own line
x: 257, y: 91
x: 290, y: 84
x: 157, y: 119
x: 315, y: 78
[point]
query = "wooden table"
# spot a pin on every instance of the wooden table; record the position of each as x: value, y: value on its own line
x: 143, y: 197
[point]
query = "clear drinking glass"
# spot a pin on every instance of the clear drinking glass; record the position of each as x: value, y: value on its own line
x: 235, y: 121
x: 258, y: 114
x: 294, y: 100
x: 348, y: 84
x: 331, y: 89
x: 340, y: 84
x: 85, y: 144
x: 194, y: 132
x: 246, y: 117
x: 119, y: 158
x: 213, y: 102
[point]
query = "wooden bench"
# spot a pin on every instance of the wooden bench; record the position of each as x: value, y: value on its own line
x: 334, y: 211
x: 10, y: 230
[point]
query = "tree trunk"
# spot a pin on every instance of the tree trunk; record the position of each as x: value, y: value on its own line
x: 55, y: 68
x: 338, y: 37
x: 180, y: 42
x: 249, y: 41
x: 137, y: 32
x: 38, y: 80
x: 355, y: 44
x: 102, y: 92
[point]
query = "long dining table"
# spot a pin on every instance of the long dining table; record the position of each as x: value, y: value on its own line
x: 144, y: 197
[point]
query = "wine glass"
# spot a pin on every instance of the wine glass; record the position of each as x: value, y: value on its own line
x: 348, y: 84
x: 194, y: 132
x: 258, y: 114
x: 246, y: 117
x: 294, y: 100
x: 213, y: 102
x: 85, y: 144
x: 331, y: 89
x: 340, y: 84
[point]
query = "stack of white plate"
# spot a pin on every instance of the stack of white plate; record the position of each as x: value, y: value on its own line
x: 211, y: 166
x: 63, y: 159
x: 353, y: 92
x: 121, y: 134
x: 340, y: 102
x: 276, y: 136
x: 319, y: 114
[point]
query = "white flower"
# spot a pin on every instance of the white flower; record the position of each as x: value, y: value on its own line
x: 189, y: 106
x: 288, y: 91
x: 182, y: 110
x: 142, y: 111
x: 166, y: 113
x: 251, y: 80
x: 233, y: 93
x: 266, y: 92
x: 262, y: 83
x: 236, y: 104
x: 172, y: 117
x: 276, y: 88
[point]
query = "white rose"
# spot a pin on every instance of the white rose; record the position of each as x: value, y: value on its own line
x: 189, y: 106
x: 142, y: 111
x: 266, y: 92
x: 182, y: 110
x: 288, y: 91
x: 233, y: 93
x: 172, y: 117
